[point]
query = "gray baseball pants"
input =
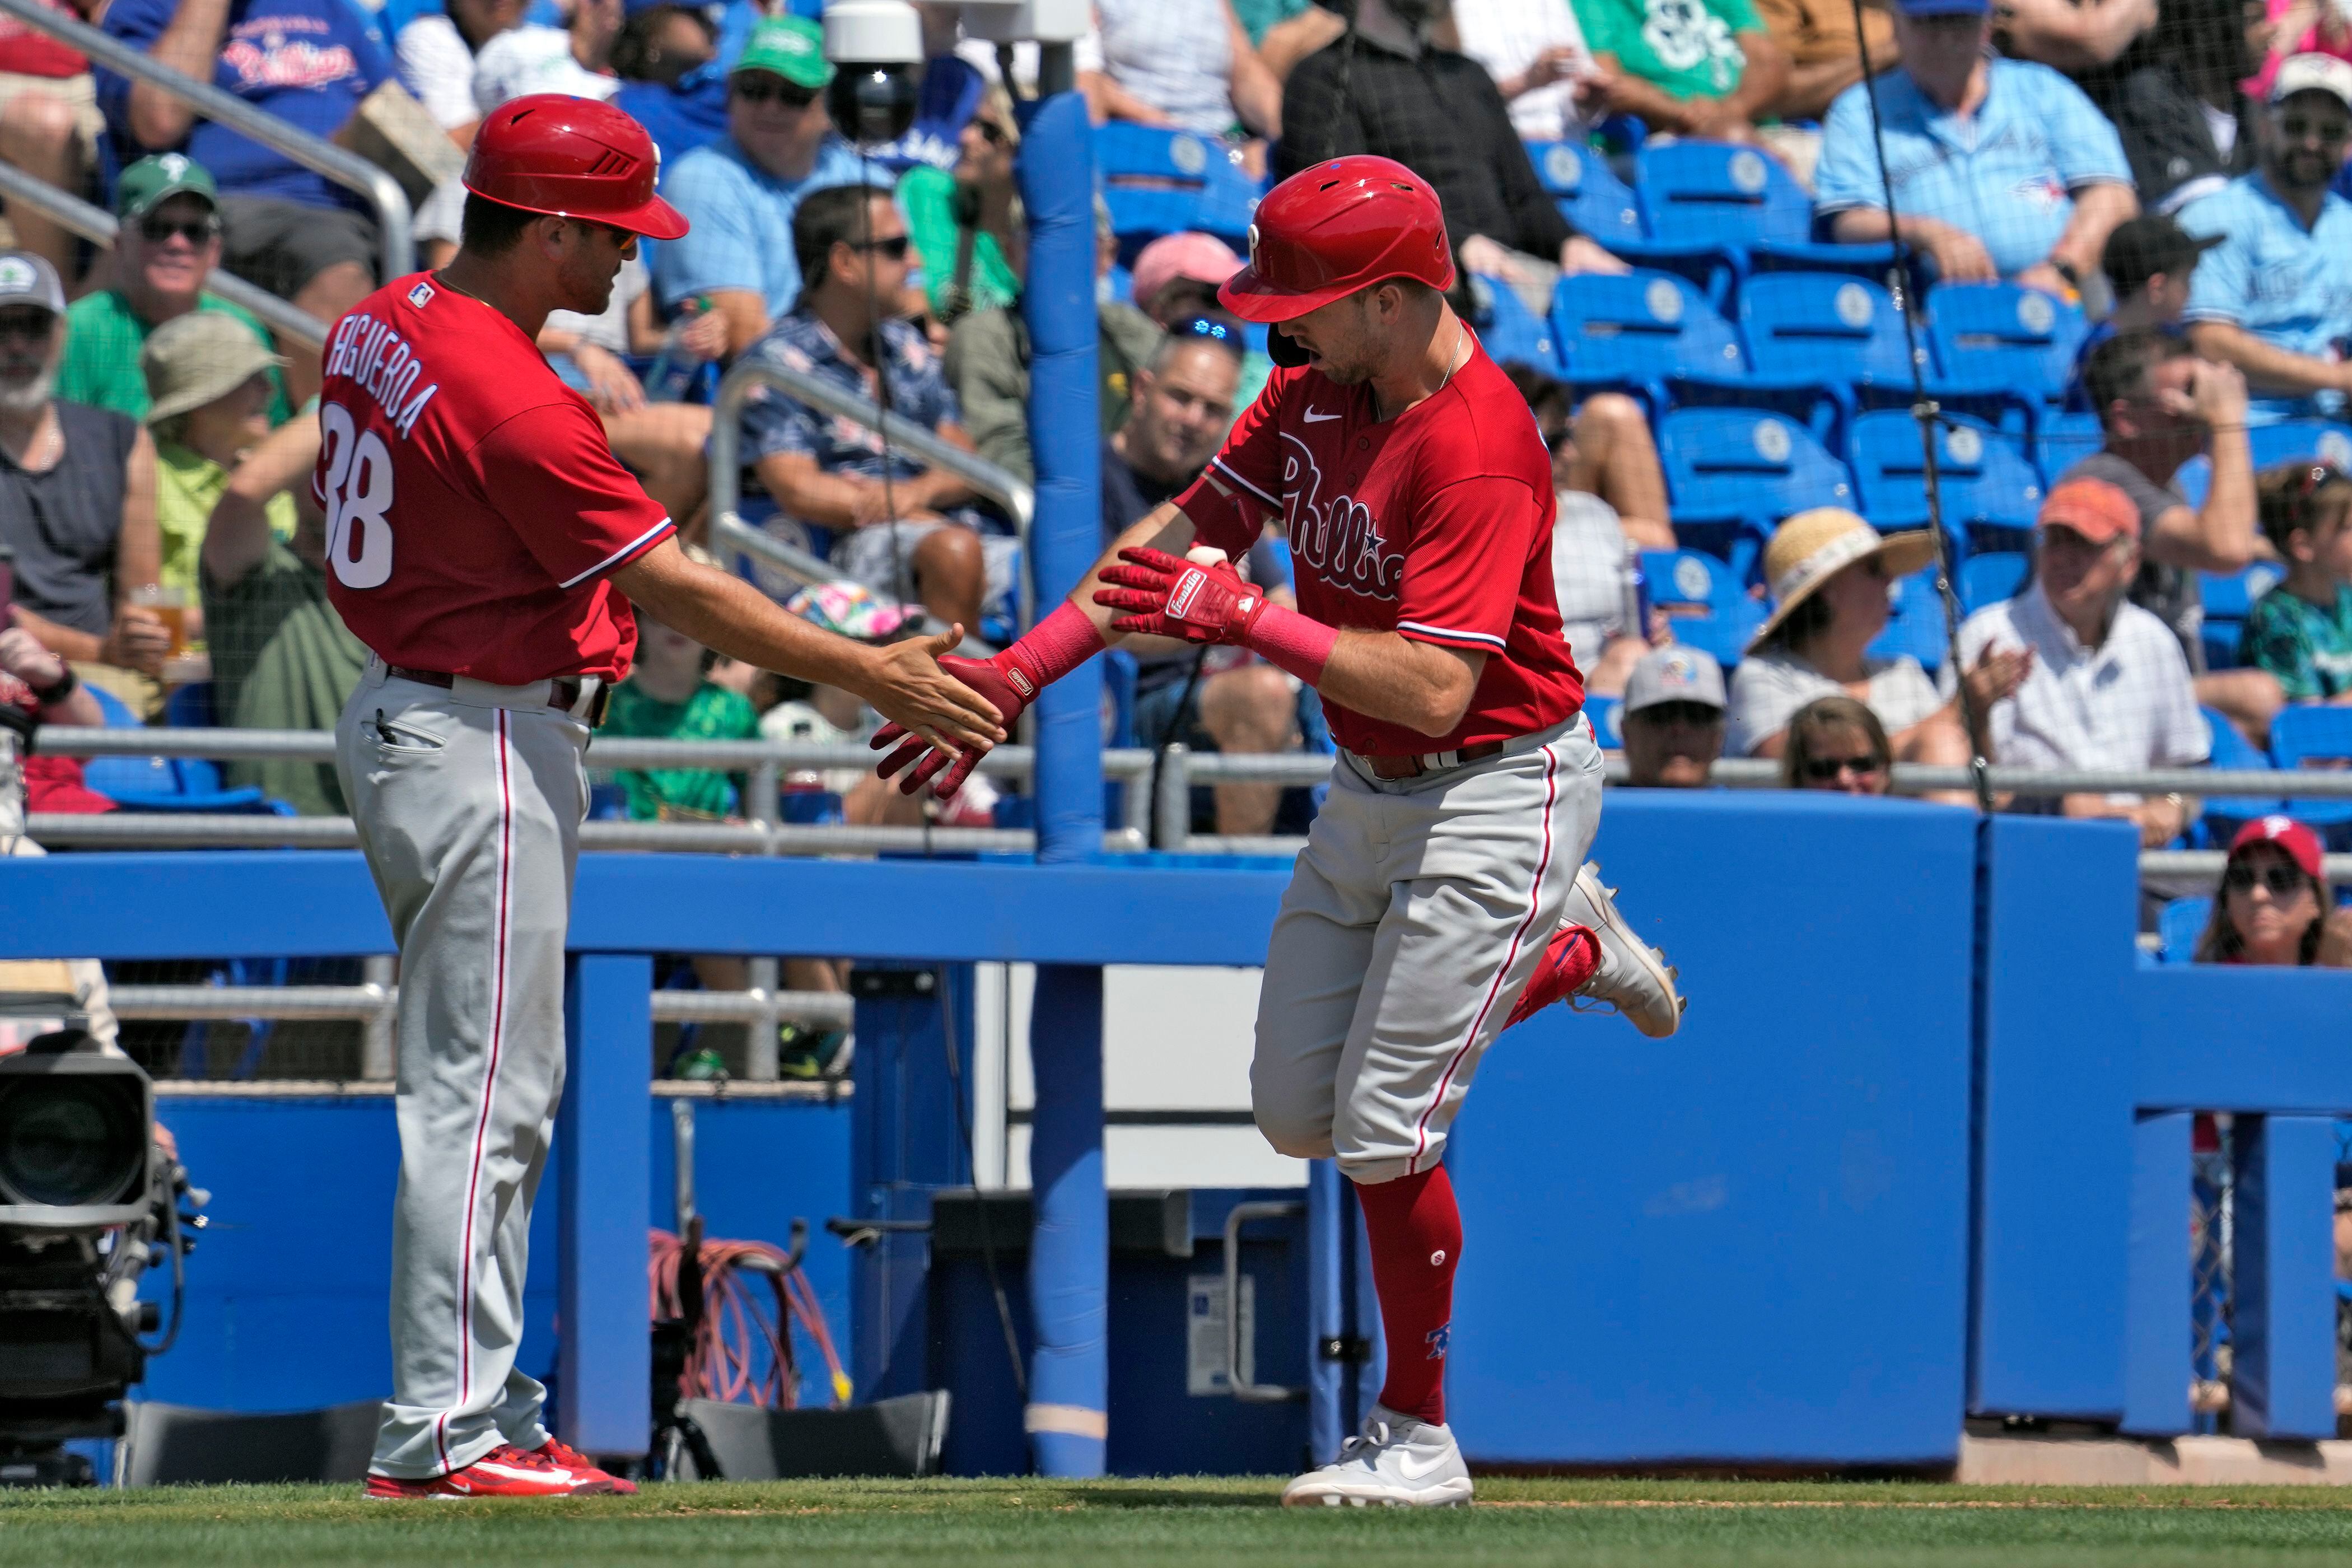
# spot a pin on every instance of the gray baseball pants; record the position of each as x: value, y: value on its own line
x: 469, y: 803
x: 1416, y: 915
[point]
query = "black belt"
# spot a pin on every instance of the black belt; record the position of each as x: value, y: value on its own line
x: 1388, y: 770
x: 563, y: 690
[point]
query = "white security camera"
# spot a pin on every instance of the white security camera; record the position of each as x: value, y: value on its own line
x: 877, y: 50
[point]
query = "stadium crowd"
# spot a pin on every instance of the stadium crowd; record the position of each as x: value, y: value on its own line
x: 2150, y: 189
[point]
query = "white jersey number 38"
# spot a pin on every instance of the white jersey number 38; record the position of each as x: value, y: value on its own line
x: 358, y: 493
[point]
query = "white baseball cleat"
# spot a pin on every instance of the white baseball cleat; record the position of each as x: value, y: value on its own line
x: 1632, y: 977
x: 1396, y: 1461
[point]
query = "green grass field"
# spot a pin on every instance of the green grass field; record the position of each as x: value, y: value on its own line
x: 1192, y: 1522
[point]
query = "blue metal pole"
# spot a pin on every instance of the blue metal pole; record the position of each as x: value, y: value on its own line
x: 1070, y: 1255
x: 603, y: 1357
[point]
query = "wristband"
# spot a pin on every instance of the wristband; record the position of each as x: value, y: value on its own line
x: 1290, y: 641
x: 1055, y: 647
x: 51, y: 696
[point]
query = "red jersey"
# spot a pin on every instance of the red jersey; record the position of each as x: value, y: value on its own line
x: 25, y: 51
x: 1435, y: 525
x: 474, y: 507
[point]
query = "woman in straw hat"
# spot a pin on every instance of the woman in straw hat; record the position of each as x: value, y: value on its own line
x: 1830, y: 573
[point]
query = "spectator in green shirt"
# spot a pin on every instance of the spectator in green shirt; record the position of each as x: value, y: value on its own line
x: 962, y: 221
x: 209, y: 379
x: 670, y: 696
x: 1696, y: 67
x: 169, y: 243
x: 2301, y: 631
x: 283, y: 658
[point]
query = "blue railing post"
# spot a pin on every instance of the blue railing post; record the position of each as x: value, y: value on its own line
x: 605, y: 1359
x: 1069, y: 1261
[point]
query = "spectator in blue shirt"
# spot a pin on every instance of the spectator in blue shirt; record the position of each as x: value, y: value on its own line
x: 901, y: 528
x: 2001, y: 168
x: 307, y: 62
x: 739, y: 193
x: 673, y: 76
x: 2275, y: 297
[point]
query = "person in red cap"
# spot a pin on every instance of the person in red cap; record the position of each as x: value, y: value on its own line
x: 2273, y: 904
x: 1440, y: 895
x: 486, y: 545
x: 2107, y: 687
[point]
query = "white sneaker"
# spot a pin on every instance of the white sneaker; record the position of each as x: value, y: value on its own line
x: 1396, y: 1461
x: 1633, y: 977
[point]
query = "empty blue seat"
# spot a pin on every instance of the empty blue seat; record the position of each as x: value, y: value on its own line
x: 1734, y: 473
x: 1636, y: 329
x: 1704, y: 599
x: 1991, y: 577
x: 2222, y: 816
x: 2228, y: 599
x: 2318, y: 734
x: 2003, y: 337
x: 1915, y: 624
x: 1508, y: 331
x: 1586, y: 193
x: 1604, y: 712
x: 1704, y: 203
x: 1157, y: 181
x: 2064, y: 439
x: 2180, y: 924
x: 1991, y: 494
x: 1815, y: 341
x: 2297, y: 441
x: 167, y: 784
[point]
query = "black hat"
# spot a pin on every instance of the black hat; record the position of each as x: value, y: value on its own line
x: 2143, y: 246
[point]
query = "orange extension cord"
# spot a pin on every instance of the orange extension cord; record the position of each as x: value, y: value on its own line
x: 737, y: 1324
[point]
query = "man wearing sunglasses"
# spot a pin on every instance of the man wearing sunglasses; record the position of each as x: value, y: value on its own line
x: 167, y: 244
x: 2275, y: 297
x: 739, y: 193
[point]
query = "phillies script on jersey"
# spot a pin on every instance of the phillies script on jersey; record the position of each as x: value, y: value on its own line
x: 474, y: 506
x: 1435, y: 525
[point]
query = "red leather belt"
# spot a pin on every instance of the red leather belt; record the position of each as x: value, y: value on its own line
x: 1388, y: 770
x: 563, y: 691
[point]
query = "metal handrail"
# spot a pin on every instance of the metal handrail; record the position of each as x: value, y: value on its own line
x: 208, y: 830
x: 75, y: 216
x: 1018, y: 500
x: 395, y: 223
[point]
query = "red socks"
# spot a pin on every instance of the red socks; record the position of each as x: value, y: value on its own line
x: 1416, y: 1238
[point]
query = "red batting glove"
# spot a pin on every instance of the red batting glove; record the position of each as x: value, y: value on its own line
x: 1007, y: 686
x: 1168, y: 596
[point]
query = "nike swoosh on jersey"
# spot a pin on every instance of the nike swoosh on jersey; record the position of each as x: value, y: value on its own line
x: 1406, y: 1468
x: 1312, y: 418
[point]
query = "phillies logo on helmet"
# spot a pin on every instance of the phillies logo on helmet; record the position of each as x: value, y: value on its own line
x: 1253, y: 245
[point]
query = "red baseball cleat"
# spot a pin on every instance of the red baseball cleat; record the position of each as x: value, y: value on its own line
x: 504, y: 1471
x: 565, y: 1457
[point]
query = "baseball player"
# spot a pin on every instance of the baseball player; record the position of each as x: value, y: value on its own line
x: 483, y: 542
x: 1440, y: 896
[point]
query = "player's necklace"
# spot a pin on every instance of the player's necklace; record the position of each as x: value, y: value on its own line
x: 1453, y: 363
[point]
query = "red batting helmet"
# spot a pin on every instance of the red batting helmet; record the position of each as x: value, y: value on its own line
x: 572, y: 157
x: 1336, y: 228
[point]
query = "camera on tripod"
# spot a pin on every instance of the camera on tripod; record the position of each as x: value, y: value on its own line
x: 88, y: 1204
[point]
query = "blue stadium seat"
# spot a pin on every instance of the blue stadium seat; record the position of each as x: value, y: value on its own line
x: 1991, y: 493
x: 2293, y: 441
x: 1705, y: 600
x: 1915, y: 624
x: 2222, y: 817
x: 1636, y: 330
x: 2180, y: 924
x: 1814, y: 341
x: 2321, y: 734
x: 1704, y: 203
x: 1604, y: 712
x: 1872, y: 263
x: 1990, y: 578
x: 168, y: 783
x: 1506, y: 330
x: 1586, y: 193
x: 1159, y: 182
x: 2228, y: 599
x: 2064, y: 439
x: 2003, y: 337
x: 1734, y: 473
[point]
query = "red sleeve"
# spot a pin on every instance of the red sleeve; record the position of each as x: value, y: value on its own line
x: 1452, y: 594
x: 550, y: 473
x: 1241, y: 486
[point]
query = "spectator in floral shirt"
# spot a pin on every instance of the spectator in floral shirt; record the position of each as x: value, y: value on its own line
x: 2301, y: 631
x: 901, y: 528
